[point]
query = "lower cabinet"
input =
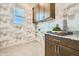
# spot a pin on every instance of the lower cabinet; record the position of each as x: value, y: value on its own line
x: 59, y: 50
x: 57, y: 47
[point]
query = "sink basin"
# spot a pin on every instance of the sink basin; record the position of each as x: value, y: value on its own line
x: 62, y: 33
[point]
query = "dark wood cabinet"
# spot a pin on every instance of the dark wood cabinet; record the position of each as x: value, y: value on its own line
x: 57, y: 46
x: 49, y: 10
x: 43, y: 12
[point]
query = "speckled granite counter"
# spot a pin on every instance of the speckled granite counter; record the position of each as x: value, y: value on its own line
x: 72, y: 37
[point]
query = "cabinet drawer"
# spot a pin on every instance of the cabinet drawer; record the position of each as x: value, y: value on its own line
x: 69, y: 43
x: 51, y: 38
x: 66, y: 51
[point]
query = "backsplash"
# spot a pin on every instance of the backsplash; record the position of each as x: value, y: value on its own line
x: 48, y: 26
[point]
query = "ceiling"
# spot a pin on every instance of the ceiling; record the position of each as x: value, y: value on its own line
x: 31, y: 5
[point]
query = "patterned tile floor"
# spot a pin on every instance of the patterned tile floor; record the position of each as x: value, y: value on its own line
x: 33, y: 48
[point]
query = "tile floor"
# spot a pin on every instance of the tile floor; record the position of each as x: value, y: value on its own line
x: 33, y: 48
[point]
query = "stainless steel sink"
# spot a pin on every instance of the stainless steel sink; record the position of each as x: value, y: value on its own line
x: 65, y: 33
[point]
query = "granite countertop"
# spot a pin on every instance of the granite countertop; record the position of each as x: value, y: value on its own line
x: 72, y: 37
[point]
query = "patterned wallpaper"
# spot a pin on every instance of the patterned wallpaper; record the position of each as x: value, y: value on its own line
x: 10, y: 34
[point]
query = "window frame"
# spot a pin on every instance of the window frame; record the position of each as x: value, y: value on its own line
x: 14, y: 15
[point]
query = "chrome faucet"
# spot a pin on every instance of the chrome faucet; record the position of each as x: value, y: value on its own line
x: 65, y: 26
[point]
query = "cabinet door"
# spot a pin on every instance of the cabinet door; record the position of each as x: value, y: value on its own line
x: 65, y: 51
x: 52, y: 10
x: 50, y: 49
x: 42, y: 12
x: 36, y: 14
x: 47, y: 10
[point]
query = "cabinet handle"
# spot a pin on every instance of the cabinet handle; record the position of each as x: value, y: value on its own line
x: 55, y: 48
x: 57, y: 40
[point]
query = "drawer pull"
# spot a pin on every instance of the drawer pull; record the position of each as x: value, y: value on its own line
x: 56, y: 40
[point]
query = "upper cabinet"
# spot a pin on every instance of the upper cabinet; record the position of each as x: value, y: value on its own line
x: 43, y: 12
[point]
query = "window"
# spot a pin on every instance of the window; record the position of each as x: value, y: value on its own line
x: 19, y: 12
x: 18, y: 17
x: 18, y: 20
